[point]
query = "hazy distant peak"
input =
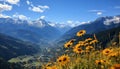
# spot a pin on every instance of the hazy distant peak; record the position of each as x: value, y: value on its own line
x: 40, y: 23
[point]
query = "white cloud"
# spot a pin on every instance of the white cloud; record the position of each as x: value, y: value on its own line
x: 13, y: 1
x: 28, y: 2
x: 114, y: 20
x: 39, y: 9
x: 97, y: 12
x: 5, y: 7
x: 36, y: 9
x: 23, y: 17
x: 20, y: 16
x: 69, y: 21
x: 4, y: 16
x: 42, y: 17
x: 44, y: 7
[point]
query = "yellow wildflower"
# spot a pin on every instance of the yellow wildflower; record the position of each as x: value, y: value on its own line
x: 63, y: 60
x: 114, y: 54
x: 94, y: 41
x: 86, y: 44
x: 88, y: 39
x: 77, y: 50
x: 89, y: 47
x: 81, y: 33
x: 99, y: 62
x: 69, y: 43
x: 107, y: 51
x: 78, y: 45
x: 54, y: 67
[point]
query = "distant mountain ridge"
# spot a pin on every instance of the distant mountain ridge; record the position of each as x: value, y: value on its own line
x: 37, y: 31
x: 100, y: 24
x: 62, y: 27
x: 41, y: 32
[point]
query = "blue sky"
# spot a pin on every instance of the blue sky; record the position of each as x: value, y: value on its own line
x: 60, y: 11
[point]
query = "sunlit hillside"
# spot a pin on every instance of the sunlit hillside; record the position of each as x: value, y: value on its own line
x: 87, y: 54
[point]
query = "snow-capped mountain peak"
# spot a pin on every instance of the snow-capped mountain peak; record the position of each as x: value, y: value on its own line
x: 36, y: 23
x: 109, y: 21
x: 39, y: 23
x: 34, y: 31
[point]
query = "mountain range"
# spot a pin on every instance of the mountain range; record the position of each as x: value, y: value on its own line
x: 100, y: 24
x: 37, y: 31
x: 44, y: 32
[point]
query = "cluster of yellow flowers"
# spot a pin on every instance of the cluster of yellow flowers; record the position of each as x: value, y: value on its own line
x: 69, y: 43
x: 84, y: 54
x: 81, y: 46
x: 63, y: 60
x: 111, y: 53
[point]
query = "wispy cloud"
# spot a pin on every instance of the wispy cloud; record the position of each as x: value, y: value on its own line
x: 28, y: 2
x: 97, y: 12
x: 5, y: 7
x: 20, y: 16
x: 39, y: 8
x: 42, y: 17
x: 4, y: 16
x: 36, y: 9
x: 13, y: 1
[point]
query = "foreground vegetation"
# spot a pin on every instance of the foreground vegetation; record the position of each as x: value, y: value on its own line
x: 87, y: 54
x: 82, y: 52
